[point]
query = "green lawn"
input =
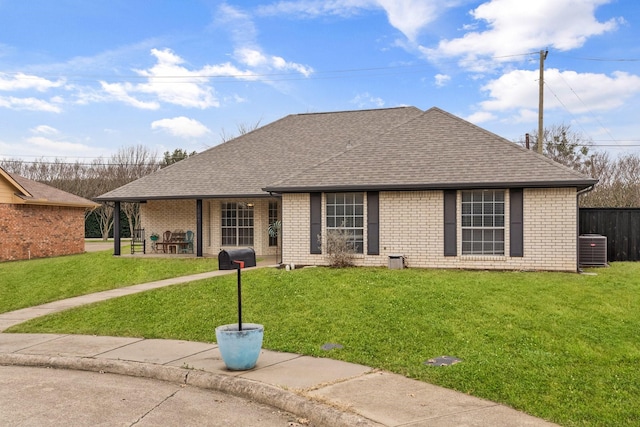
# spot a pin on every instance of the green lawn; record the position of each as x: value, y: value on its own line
x: 564, y: 347
x: 38, y: 281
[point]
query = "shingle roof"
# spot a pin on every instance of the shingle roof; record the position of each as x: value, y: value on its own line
x: 34, y: 192
x: 435, y: 150
x: 395, y: 148
x: 244, y: 165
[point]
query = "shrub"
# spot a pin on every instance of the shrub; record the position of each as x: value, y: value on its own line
x: 339, y: 248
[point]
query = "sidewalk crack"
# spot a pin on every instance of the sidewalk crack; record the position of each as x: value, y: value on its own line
x: 154, y: 408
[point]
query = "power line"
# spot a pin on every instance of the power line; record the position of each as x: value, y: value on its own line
x: 601, y: 59
x: 243, y: 77
x: 285, y: 76
x: 588, y: 109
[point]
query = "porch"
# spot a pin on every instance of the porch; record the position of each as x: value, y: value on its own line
x: 94, y: 245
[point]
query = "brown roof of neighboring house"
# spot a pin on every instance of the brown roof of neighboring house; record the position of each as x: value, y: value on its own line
x: 435, y: 150
x: 395, y: 148
x: 36, y: 193
x: 244, y: 165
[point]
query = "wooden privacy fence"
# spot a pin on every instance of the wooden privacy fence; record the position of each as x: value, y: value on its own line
x: 620, y: 225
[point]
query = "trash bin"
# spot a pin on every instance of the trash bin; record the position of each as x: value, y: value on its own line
x: 245, y: 255
x: 396, y: 261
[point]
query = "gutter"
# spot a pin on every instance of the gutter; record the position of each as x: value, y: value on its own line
x: 584, y: 184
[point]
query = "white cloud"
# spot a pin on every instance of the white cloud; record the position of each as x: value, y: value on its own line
x: 175, y: 84
x: 21, y: 81
x: 170, y: 81
x: 120, y: 92
x: 29, y: 104
x: 407, y: 16
x: 166, y: 81
x: 248, y: 52
x: 44, y: 146
x: 411, y: 16
x: 579, y: 93
x: 480, y: 117
x: 26, y: 82
x: 442, y: 79
x: 513, y: 26
x: 183, y: 127
x: 256, y: 59
x: 366, y: 100
x: 239, y: 23
x: 250, y: 57
x: 228, y: 70
x: 280, y: 64
x: 45, y: 130
x: 316, y: 8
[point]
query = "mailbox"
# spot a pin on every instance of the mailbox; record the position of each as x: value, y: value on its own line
x: 226, y: 258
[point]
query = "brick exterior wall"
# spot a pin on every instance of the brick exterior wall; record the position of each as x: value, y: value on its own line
x: 158, y: 216
x: 412, y: 224
x: 33, y: 231
x: 162, y: 215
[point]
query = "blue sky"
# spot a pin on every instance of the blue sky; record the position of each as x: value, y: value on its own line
x: 80, y: 79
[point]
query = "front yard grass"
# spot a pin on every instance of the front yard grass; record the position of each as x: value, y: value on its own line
x: 38, y: 281
x: 561, y: 346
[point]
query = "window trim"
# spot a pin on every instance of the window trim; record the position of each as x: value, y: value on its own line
x: 357, y: 214
x: 237, y: 208
x: 484, y: 219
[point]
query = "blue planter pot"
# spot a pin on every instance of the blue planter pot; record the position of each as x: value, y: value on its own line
x: 240, y: 349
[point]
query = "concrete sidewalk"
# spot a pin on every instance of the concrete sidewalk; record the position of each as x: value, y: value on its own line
x: 325, y: 391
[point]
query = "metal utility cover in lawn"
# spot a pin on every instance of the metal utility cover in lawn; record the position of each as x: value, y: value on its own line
x: 330, y: 346
x: 442, y: 361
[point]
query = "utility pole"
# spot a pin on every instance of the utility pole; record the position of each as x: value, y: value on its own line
x: 543, y: 56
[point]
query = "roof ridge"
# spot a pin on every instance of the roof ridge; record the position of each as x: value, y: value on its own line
x: 357, y: 111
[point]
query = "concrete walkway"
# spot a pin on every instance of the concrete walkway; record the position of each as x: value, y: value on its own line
x: 326, y: 392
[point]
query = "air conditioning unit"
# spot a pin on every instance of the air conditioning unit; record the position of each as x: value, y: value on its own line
x: 592, y: 250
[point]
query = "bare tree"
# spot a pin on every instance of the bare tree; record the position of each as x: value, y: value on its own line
x: 242, y: 129
x: 94, y: 179
x: 127, y: 165
x: 618, y: 178
x: 563, y: 145
x: 105, y: 219
x: 618, y: 181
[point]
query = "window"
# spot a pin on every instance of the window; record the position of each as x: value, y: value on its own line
x: 273, y: 217
x: 483, y: 222
x: 237, y: 224
x: 345, y: 211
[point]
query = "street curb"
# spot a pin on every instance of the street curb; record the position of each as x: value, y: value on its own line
x: 318, y: 413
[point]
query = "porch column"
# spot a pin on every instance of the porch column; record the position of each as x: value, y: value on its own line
x: 116, y: 229
x: 199, y: 227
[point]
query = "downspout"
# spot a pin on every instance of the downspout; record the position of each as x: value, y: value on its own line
x: 280, y: 243
x: 583, y: 191
x: 116, y: 228
x: 199, y: 232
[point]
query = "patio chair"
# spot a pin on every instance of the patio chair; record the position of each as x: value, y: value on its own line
x: 187, y: 248
x: 166, y: 239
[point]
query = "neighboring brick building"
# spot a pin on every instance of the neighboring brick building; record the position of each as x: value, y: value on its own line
x: 38, y: 221
x: 426, y: 185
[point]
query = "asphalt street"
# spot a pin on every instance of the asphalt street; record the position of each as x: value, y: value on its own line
x: 55, y: 397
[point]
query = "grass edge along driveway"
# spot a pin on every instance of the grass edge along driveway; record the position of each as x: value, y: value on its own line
x: 561, y: 346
